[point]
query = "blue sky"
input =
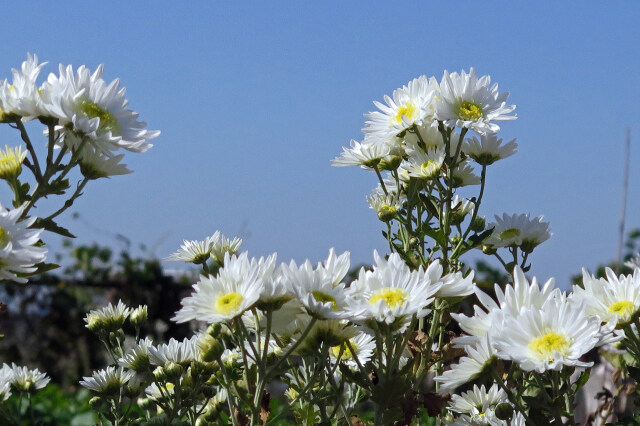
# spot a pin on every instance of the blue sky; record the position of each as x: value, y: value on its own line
x: 255, y: 99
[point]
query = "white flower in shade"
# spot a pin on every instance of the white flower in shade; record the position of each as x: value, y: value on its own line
x: 156, y: 392
x: 460, y: 208
x: 518, y: 230
x: 28, y: 380
x: 386, y: 206
x: 11, y: 160
x: 182, y: 352
x: 95, y: 165
x: 614, y: 300
x: 515, y: 298
x: 223, y: 245
x: 316, y: 291
x: 477, y: 361
x: 489, y: 149
x: 88, y: 107
x: 408, y: 105
x: 463, y: 175
x: 391, y: 294
x: 6, y: 377
x: 18, y: 251
x: 22, y: 96
x: 424, y: 165
x: 108, y: 381
x: 550, y: 338
x: 109, y: 318
x: 137, y: 358
x: 467, y: 101
x: 367, y: 155
x: 323, y: 333
x: 230, y: 357
x: 453, y: 284
x: 363, y: 345
x: 222, y: 298
x: 479, y: 404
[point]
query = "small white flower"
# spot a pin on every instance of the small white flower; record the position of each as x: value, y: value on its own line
x: 95, y: 165
x: 386, y: 206
x: 363, y: 344
x: 479, y: 404
x: 22, y: 96
x: 195, y: 251
x: 634, y: 262
x: 137, y: 359
x: 28, y: 380
x: 335, y: 267
x: 109, y: 318
x: 424, y: 165
x: 518, y: 230
x: 463, y: 175
x: 365, y: 155
x: 466, y: 101
x: 6, y: 377
x: 489, y: 149
x: 182, y: 352
x: 18, y: 251
x: 107, y: 381
x: 11, y: 160
x: 223, y: 246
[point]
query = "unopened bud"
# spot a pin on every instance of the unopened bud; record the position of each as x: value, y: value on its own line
x: 214, y: 330
x: 173, y: 371
x: 478, y: 224
x: 139, y: 316
x: 159, y: 374
x: 504, y: 411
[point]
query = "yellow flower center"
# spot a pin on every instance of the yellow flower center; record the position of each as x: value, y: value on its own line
x: 5, y: 237
x: 407, y: 110
x: 623, y: 309
x: 107, y: 120
x: 346, y: 353
x: 392, y: 297
x: 545, y: 346
x: 324, y: 298
x: 229, y: 303
x: 469, y: 111
x: 11, y: 162
x: 509, y: 233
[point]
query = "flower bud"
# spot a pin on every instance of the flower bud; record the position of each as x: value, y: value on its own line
x: 173, y: 371
x: 97, y: 403
x: 139, y: 316
x: 489, y: 250
x: 478, y: 224
x: 159, y: 374
x: 504, y: 411
x: 214, y: 330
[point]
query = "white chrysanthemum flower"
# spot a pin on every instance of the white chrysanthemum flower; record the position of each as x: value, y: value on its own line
x: 6, y: 378
x: 335, y: 267
x: 182, y: 352
x: 315, y: 289
x: 460, y: 208
x: 223, y: 246
x: 155, y: 392
x: 453, y: 284
x: 479, y: 404
x: 363, y: 344
x: 409, y: 105
x: 634, y: 262
x: 109, y: 318
x: 391, y: 294
x: 137, y: 359
x: 515, y: 298
x: 195, y: 251
x: 489, y: 149
x: 18, y: 251
x: 366, y: 155
x: 467, y: 101
x: 11, y: 160
x: 386, y: 206
x: 478, y: 359
x: 463, y: 175
x: 230, y: 357
x: 95, y: 165
x: 87, y: 106
x: 22, y: 96
x: 615, y: 299
x: 108, y: 381
x: 424, y: 165
x: 28, y: 380
x: 330, y: 333
x: 218, y: 299
x: 518, y: 230
x: 550, y: 338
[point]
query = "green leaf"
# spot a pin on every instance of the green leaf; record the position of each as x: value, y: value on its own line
x: 58, y: 186
x: 51, y: 226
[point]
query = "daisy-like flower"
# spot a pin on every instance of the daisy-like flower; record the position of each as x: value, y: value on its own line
x: 6, y: 377
x: 95, y: 165
x: 463, y: 175
x: 137, y: 359
x: 479, y: 404
x: 222, y: 246
x: 315, y: 289
x: 366, y: 155
x: 335, y: 267
x: 18, y: 251
x: 197, y: 252
x: 386, y: 206
x: 424, y: 165
x: 323, y: 333
x: 154, y: 392
x: 518, y: 230
x: 109, y: 318
x: 175, y: 351
x: 550, y: 338
x: 11, y: 162
x: 28, y: 380
x: 107, y: 381
x: 22, y: 96
x: 88, y: 107
x: 391, y: 294
x: 634, y: 262
x: 478, y: 361
x: 222, y: 298
x: 466, y: 101
x: 408, y: 105
x: 363, y: 344
x: 489, y: 149
x: 453, y: 284
x: 460, y: 207
x: 614, y: 300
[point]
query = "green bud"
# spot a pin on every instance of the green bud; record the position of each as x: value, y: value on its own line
x: 504, y: 411
x: 390, y: 162
x: 173, y: 371
x: 528, y: 245
x: 478, y: 224
x: 489, y: 250
x: 187, y: 381
x: 97, y: 403
x: 211, y: 348
x: 214, y: 330
x: 116, y: 338
x: 139, y: 316
x: 145, y: 403
x: 159, y: 374
x: 94, y: 323
x: 209, y: 391
x: 386, y: 213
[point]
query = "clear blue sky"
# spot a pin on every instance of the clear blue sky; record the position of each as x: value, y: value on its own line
x: 255, y: 98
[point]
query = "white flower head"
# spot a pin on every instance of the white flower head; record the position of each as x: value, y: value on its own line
x: 19, y: 252
x: 195, y: 251
x: 96, y: 165
x: 22, y: 96
x: 385, y: 205
x: 634, y: 262
x: 424, y: 165
x: 108, y: 381
x: 109, y: 318
x: 89, y: 108
x: 409, y: 105
x: 466, y: 101
x: 489, y: 149
x: 463, y: 175
x: 137, y: 358
x: 223, y: 246
x: 363, y: 345
x: 28, y: 380
x: 366, y: 155
x: 479, y: 404
x: 6, y: 378
x: 11, y: 160
x: 518, y: 230
x: 180, y: 352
